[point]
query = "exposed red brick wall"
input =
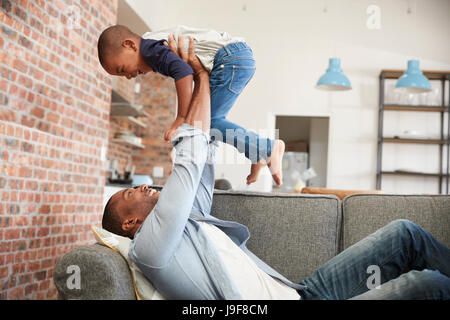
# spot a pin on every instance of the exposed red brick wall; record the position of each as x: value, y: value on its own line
x: 54, y: 119
x: 158, y: 97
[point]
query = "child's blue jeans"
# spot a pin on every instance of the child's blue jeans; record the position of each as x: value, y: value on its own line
x: 234, y: 66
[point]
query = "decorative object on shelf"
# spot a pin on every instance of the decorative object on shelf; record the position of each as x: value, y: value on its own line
x: 412, y: 134
x: 334, y: 79
x: 413, y: 80
x: 302, y: 178
x: 128, y: 138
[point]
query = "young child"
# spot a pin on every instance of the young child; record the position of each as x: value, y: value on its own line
x: 230, y: 63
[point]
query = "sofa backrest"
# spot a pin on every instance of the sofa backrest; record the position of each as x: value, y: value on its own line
x: 364, y: 214
x: 293, y: 233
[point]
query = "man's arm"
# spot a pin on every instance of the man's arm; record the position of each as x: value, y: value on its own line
x: 161, y: 232
x: 198, y: 115
x: 201, y: 79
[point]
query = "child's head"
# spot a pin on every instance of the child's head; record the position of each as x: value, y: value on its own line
x: 118, y: 52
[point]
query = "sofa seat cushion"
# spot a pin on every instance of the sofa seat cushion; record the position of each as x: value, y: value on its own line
x: 293, y: 233
x: 364, y: 214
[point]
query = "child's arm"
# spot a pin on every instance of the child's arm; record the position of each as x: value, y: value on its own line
x: 158, y: 55
x: 184, y: 95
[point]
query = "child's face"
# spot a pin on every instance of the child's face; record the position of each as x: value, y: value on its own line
x: 128, y: 62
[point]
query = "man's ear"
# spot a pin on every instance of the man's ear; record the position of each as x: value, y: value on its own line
x: 129, y: 44
x: 129, y: 224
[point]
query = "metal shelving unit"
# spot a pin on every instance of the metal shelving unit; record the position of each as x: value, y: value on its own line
x: 443, y: 174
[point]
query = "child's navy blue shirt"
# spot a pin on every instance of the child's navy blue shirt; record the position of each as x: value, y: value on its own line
x: 162, y: 60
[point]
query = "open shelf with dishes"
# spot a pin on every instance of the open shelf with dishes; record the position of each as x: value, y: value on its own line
x: 134, y: 114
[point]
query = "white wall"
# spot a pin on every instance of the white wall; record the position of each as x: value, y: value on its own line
x: 292, y: 42
x: 319, y: 134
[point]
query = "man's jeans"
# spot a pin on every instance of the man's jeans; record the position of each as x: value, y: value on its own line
x: 234, y: 66
x: 408, y: 261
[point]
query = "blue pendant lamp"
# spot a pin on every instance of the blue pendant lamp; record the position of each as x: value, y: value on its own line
x: 413, y: 80
x: 334, y: 79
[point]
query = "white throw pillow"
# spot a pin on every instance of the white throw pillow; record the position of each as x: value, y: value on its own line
x: 143, y: 288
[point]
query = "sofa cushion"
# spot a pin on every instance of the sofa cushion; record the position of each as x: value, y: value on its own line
x: 293, y: 233
x: 144, y: 289
x: 364, y: 214
x: 103, y: 274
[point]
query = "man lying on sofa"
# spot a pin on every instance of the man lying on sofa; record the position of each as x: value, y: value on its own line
x: 188, y: 254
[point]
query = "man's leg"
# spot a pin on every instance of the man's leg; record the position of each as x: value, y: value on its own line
x: 414, y: 285
x: 399, y: 246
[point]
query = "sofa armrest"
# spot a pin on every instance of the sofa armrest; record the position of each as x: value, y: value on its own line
x: 103, y: 274
x: 341, y: 194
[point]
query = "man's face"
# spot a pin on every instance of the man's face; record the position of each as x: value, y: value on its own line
x: 128, y: 62
x: 134, y: 205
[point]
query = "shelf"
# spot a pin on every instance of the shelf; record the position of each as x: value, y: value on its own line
x: 127, y: 109
x: 418, y: 141
x: 443, y: 113
x: 137, y: 122
x: 411, y: 173
x: 133, y: 120
x: 395, y: 107
x: 141, y: 146
x: 122, y: 107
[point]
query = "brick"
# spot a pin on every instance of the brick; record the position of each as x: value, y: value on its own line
x: 15, y: 293
x: 11, y: 234
x: 20, y: 13
x: 6, y: 5
x: 45, y: 209
x: 23, y: 41
x: 25, y: 172
x: 8, y: 31
x: 4, y: 271
x: 20, y: 65
x: 53, y: 117
x: 26, y: 147
x: 31, y: 288
x: 5, y: 246
x: 19, y: 245
x: 37, y: 112
x: 42, y: 232
x: 11, y: 142
x: 25, y: 81
x: 33, y: 266
x: 27, y: 121
x: 41, y: 275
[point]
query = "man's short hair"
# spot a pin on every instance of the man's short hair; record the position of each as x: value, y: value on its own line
x: 111, y: 220
x: 110, y: 41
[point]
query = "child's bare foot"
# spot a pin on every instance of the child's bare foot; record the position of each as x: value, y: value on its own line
x: 254, y: 171
x: 275, y: 161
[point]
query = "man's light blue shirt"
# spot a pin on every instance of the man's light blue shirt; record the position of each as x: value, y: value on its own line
x: 170, y: 248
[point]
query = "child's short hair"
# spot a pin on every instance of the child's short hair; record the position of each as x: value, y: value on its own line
x: 110, y: 41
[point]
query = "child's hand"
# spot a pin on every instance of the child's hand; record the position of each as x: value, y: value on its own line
x: 173, y: 129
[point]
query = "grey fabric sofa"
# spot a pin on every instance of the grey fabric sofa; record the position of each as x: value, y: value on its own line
x: 293, y: 233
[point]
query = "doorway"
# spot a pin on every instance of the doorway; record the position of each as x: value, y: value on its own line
x: 306, y: 154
